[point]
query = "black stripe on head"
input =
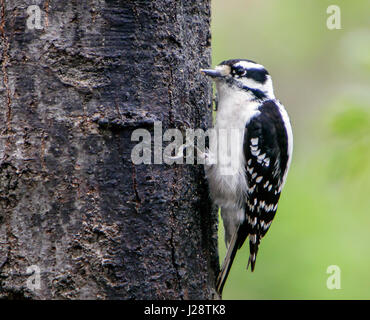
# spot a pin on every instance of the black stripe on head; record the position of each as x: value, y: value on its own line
x: 258, y: 75
x: 231, y: 62
x: 258, y: 94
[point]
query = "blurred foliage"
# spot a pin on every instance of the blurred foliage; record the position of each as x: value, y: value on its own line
x: 356, y: 46
x: 350, y: 127
x: 322, y: 76
x: 352, y: 122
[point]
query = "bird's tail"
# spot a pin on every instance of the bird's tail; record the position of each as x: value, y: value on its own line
x: 236, y: 242
x: 228, y: 261
x: 254, y: 242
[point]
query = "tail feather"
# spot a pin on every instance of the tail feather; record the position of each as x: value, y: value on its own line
x: 228, y: 261
x: 236, y: 241
x: 254, y: 242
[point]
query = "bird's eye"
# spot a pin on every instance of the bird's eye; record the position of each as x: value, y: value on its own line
x: 240, y: 72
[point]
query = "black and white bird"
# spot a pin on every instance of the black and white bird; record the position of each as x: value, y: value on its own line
x: 248, y: 195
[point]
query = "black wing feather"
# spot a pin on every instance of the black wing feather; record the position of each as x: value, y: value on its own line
x: 266, y: 158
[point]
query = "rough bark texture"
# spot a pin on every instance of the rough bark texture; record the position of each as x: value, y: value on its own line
x: 72, y: 202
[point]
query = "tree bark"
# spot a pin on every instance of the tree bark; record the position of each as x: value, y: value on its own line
x: 73, y: 205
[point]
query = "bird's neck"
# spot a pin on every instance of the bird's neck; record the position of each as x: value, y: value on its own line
x: 235, y: 108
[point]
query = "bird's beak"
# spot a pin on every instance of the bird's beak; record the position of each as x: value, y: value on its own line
x: 212, y: 73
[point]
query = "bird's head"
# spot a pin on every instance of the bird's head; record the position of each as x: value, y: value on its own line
x: 242, y: 75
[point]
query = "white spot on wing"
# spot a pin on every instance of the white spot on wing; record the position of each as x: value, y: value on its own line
x: 267, y: 162
x: 267, y: 225
x: 255, y: 152
x: 251, y: 189
x: 252, y: 222
x: 262, y: 204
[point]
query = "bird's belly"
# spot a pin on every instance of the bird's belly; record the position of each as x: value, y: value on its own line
x: 227, y: 190
x: 228, y: 187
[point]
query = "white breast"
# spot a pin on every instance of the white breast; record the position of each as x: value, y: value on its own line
x: 235, y: 109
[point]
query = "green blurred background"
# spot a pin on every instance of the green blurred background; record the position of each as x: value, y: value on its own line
x: 322, y: 76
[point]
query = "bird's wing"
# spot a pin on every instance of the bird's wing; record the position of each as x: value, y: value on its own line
x: 265, y: 149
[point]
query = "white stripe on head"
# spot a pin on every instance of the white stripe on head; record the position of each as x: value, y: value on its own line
x: 249, y: 65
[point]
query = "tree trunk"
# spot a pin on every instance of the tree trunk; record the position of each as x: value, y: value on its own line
x: 75, y: 210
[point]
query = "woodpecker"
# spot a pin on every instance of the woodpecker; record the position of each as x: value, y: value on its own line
x: 248, y: 196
